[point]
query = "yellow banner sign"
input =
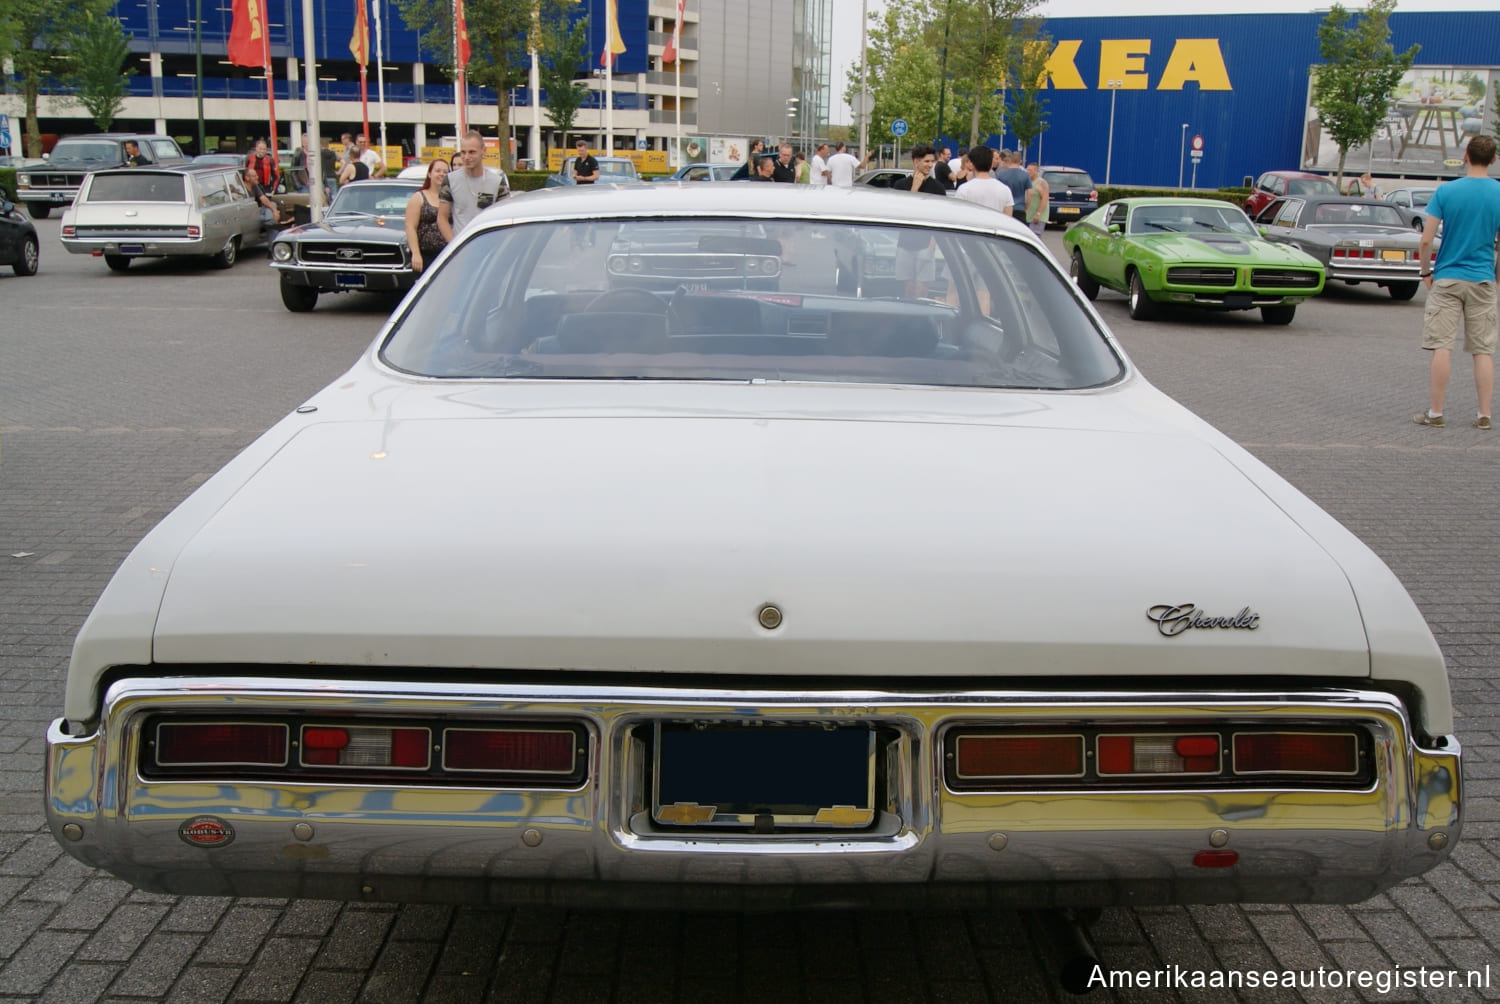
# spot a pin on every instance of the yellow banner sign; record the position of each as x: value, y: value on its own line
x: 645, y: 161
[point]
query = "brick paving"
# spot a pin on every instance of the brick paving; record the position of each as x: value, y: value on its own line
x: 120, y: 393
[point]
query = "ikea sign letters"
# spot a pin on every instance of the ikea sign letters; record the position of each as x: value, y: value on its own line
x: 1199, y: 60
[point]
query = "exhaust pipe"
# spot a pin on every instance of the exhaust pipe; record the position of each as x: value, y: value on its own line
x: 1080, y: 959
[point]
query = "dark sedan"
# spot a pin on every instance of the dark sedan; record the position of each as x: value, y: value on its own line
x: 703, y: 172
x: 360, y: 246
x: 18, y: 243
x: 1357, y: 240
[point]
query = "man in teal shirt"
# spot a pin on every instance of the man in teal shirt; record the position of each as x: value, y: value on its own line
x: 1461, y: 284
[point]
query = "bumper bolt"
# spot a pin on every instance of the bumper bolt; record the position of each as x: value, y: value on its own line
x: 1437, y: 841
x: 303, y: 831
x: 72, y: 831
x: 998, y: 841
x: 531, y: 837
x: 1218, y: 838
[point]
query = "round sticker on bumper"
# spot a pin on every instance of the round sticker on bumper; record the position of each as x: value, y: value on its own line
x: 206, y: 831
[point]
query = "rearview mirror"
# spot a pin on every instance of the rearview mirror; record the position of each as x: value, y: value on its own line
x: 7, y: 207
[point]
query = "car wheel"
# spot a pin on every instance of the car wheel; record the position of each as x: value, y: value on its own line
x: 1141, y: 306
x: 298, y: 299
x: 39, y: 210
x: 1282, y: 313
x: 1403, y: 290
x: 1085, y: 282
x: 228, y: 255
x: 117, y: 262
x: 30, y: 255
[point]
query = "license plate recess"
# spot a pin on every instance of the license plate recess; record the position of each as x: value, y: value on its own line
x: 349, y: 280
x: 132, y: 249
x: 764, y: 777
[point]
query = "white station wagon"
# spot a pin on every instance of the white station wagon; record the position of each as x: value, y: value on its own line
x: 818, y: 591
x: 200, y: 210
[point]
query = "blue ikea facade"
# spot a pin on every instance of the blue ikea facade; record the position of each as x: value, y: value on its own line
x: 1238, y: 80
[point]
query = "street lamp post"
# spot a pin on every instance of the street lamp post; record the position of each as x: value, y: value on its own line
x: 1181, y: 157
x: 791, y: 115
x: 1114, y: 89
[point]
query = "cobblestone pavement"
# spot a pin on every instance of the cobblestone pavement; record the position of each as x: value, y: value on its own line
x: 120, y: 393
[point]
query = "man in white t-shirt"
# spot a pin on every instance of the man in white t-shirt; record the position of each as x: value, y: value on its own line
x: 841, y: 168
x: 818, y: 175
x: 372, y: 160
x: 984, y: 189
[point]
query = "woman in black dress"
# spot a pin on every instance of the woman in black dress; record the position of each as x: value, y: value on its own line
x: 422, y: 233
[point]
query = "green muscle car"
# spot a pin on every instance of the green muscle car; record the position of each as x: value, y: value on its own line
x: 1194, y: 252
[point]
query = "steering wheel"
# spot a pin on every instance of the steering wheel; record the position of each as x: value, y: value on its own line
x: 626, y: 298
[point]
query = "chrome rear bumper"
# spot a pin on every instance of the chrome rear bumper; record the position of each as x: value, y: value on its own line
x: 596, y: 844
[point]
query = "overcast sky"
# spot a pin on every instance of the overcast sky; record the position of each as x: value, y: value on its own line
x: 846, y: 30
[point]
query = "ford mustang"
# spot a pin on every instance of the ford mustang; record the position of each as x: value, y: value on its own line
x: 750, y: 596
x: 360, y: 246
x: 1190, y: 252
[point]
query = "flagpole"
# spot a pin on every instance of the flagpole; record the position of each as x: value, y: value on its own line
x: 265, y: 43
x: 458, y: 83
x: 364, y: 57
x: 609, y: 104
x: 380, y: 77
x: 315, y: 162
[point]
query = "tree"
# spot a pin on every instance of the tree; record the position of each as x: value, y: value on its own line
x: 40, y: 35
x: 564, y: 55
x: 97, y: 68
x: 903, y: 72
x: 500, y: 41
x: 1352, y: 87
x: 983, y: 39
x: 1026, y: 85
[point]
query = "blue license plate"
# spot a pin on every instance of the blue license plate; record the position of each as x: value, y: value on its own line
x: 349, y: 280
x: 132, y: 249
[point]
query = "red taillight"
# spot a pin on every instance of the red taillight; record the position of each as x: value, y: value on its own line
x: 70, y: 231
x: 1158, y: 754
x: 220, y: 744
x: 340, y: 746
x: 1093, y: 196
x: 1216, y: 859
x: 515, y: 751
x: 195, y: 231
x: 1327, y: 753
x: 979, y: 757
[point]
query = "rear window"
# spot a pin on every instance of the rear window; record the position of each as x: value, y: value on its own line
x: 122, y: 187
x: 1068, y: 179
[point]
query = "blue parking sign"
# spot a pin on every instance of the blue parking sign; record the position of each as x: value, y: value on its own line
x: 898, y: 128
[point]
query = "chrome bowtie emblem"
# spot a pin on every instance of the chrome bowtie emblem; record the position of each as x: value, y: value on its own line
x: 1174, y: 619
x: 350, y: 254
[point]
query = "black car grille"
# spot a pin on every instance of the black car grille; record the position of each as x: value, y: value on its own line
x: 1282, y: 278
x: 1200, y: 276
x: 352, y: 256
x: 56, y: 180
x: 131, y: 230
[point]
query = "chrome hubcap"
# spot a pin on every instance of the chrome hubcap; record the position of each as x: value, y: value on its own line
x: 31, y: 256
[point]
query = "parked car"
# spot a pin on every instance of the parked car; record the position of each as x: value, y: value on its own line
x: 56, y: 182
x: 695, y: 256
x: 884, y: 177
x: 1413, y: 200
x: 703, y: 172
x: 19, y: 247
x: 1275, y: 184
x: 1356, y: 240
x: 1193, y: 252
x: 221, y: 160
x: 163, y: 212
x: 360, y: 246
x: 752, y: 598
x: 1071, y: 194
x: 612, y: 170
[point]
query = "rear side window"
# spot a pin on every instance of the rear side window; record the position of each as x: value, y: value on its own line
x: 109, y: 187
x: 211, y: 190
x: 165, y: 149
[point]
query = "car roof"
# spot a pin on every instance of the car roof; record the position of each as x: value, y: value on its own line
x: 1159, y: 200
x: 1300, y: 175
x: 1339, y: 200
x: 746, y: 199
x: 1059, y: 167
x: 370, y: 182
x: 188, y: 168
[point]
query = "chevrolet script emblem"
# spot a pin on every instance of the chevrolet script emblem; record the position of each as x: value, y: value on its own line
x: 1173, y: 620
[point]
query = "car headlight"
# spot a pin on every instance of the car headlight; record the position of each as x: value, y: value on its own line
x: 282, y: 252
x: 23, y: 181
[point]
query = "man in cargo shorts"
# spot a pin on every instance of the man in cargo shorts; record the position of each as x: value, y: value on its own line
x: 1461, y: 284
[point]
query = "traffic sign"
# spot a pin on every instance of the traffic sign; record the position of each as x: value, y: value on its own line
x: 5, y: 131
x: 899, y: 127
x: 1197, y: 144
x: 1197, y: 155
x: 863, y: 103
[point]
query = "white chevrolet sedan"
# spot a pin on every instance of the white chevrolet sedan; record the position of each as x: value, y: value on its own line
x: 838, y: 556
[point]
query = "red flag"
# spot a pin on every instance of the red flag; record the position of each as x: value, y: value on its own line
x: 359, y: 42
x: 247, y: 35
x: 669, y: 53
x: 461, y: 32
